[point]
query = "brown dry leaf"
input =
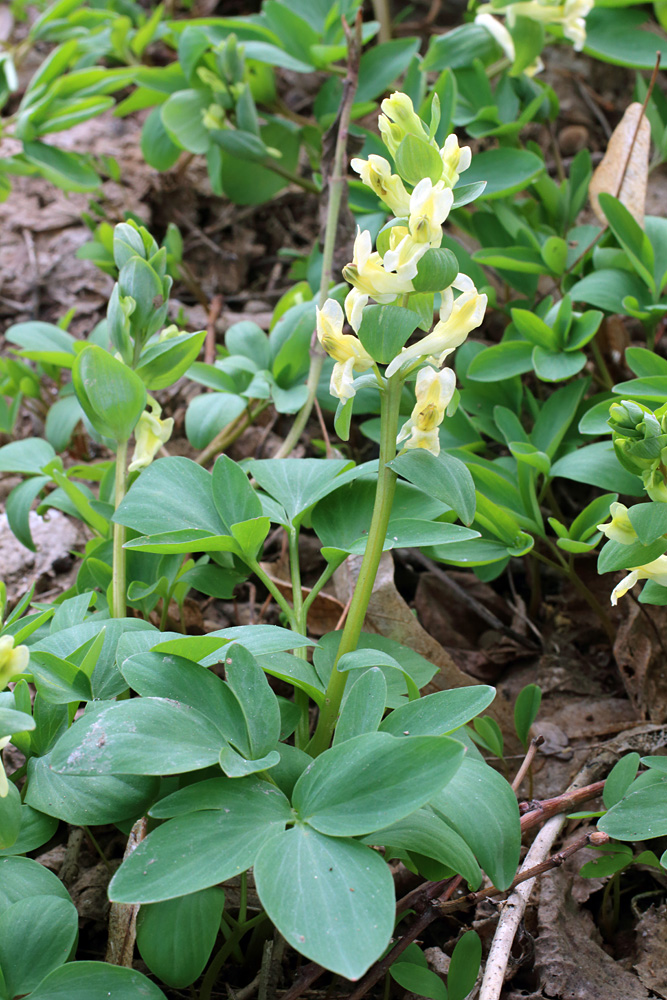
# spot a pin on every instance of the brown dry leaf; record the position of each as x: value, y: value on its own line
x: 612, y: 173
x: 325, y: 611
x: 640, y: 654
x: 569, y: 959
x: 123, y: 916
x: 389, y: 615
x: 651, y: 933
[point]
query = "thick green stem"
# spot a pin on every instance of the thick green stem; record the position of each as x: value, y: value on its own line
x: 118, y: 588
x: 384, y: 496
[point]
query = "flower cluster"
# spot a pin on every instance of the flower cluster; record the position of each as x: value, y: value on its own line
x: 388, y: 277
x: 150, y: 434
x: 570, y: 16
x: 620, y: 529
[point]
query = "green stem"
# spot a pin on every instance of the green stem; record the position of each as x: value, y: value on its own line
x: 275, y: 593
x: 605, y: 375
x: 301, y: 699
x: 118, y: 588
x: 294, y: 178
x: 223, y: 954
x: 320, y: 583
x: 384, y: 496
x: 230, y: 433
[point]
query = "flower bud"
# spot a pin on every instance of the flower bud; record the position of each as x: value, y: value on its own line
x: 434, y: 392
x: 619, y: 528
x: 150, y: 435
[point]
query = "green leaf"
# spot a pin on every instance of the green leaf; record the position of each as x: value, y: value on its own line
x: 459, y: 48
x: 43, y: 342
x: 556, y: 366
x: 621, y: 40
x: 418, y: 980
x: 464, y: 966
x: 12, y: 721
x: 157, y: 148
x: 631, y: 236
x: 68, y: 171
x: 650, y: 388
x: 87, y: 801
x: 444, y: 477
x: 384, y: 330
x: 336, y: 796
x: 22, y: 878
x: 440, y: 712
x: 493, y: 364
x: 182, y: 115
x: 175, y: 938
x: 257, y: 701
x: 644, y: 363
x: 36, y: 830
x: 298, y: 483
x: 186, y: 493
x: 161, y: 364
x: 641, y: 815
x: 426, y: 833
x: 27, y: 457
x: 364, y: 706
x: 435, y: 271
x: 18, y: 506
x: 96, y: 981
x: 649, y: 521
x: 482, y: 808
x: 534, y: 329
x: 505, y: 171
x: 597, y: 465
x: 616, y: 556
x: 556, y: 415
x: 332, y: 899
x: 526, y: 707
x: 141, y: 736
x: 207, y: 414
x: 10, y: 817
x: 36, y: 936
x: 381, y: 65
x: 524, y: 260
x: 112, y: 396
x: 200, y: 849
x: 607, y: 289
x: 621, y: 776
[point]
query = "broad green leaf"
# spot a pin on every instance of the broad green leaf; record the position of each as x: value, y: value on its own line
x: 373, y: 780
x: 440, y: 712
x: 505, y: 171
x: 43, y: 342
x: 649, y: 521
x: 493, y: 364
x: 27, y: 457
x: 418, y: 980
x: 10, y: 817
x: 21, y: 878
x: 233, y: 496
x: 200, y: 849
x: 621, y: 776
x: 36, y: 936
x: 209, y: 413
x: 68, y: 171
x: 87, y: 800
x: 112, y: 396
x: 607, y: 289
x: 162, y: 674
x: 157, y: 148
x: 36, y: 829
x: 381, y: 65
x: 444, y: 477
x: 182, y: 115
x: 96, y: 981
x: 616, y: 556
x: 175, y: 938
x: 631, y: 237
x: 332, y: 899
x: 556, y: 366
x: 140, y: 736
x: 464, y: 966
x: 256, y: 699
x: 459, y: 48
x: 12, y: 721
x: 186, y: 493
x: 427, y: 833
x: 364, y: 706
x: 620, y: 40
x: 58, y: 681
x: 526, y: 707
x: 649, y: 388
x: 384, y: 330
x: 641, y: 815
x: 297, y: 483
x: 597, y: 465
x: 482, y: 808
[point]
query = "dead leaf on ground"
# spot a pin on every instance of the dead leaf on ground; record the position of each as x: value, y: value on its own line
x: 640, y: 654
x: 611, y: 176
x: 651, y: 932
x: 569, y: 959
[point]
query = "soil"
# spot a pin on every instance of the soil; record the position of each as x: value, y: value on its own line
x: 593, y: 691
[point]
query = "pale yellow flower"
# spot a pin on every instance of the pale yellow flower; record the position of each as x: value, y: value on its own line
x: 377, y: 279
x: 655, y: 570
x: 455, y: 159
x: 150, y: 435
x: 502, y: 36
x: 429, y: 207
x: 458, y: 318
x: 433, y: 391
x: 376, y: 174
x: 399, y: 119
x: 619, y: 528
x: 13, y: 659
x: 347, y: 351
